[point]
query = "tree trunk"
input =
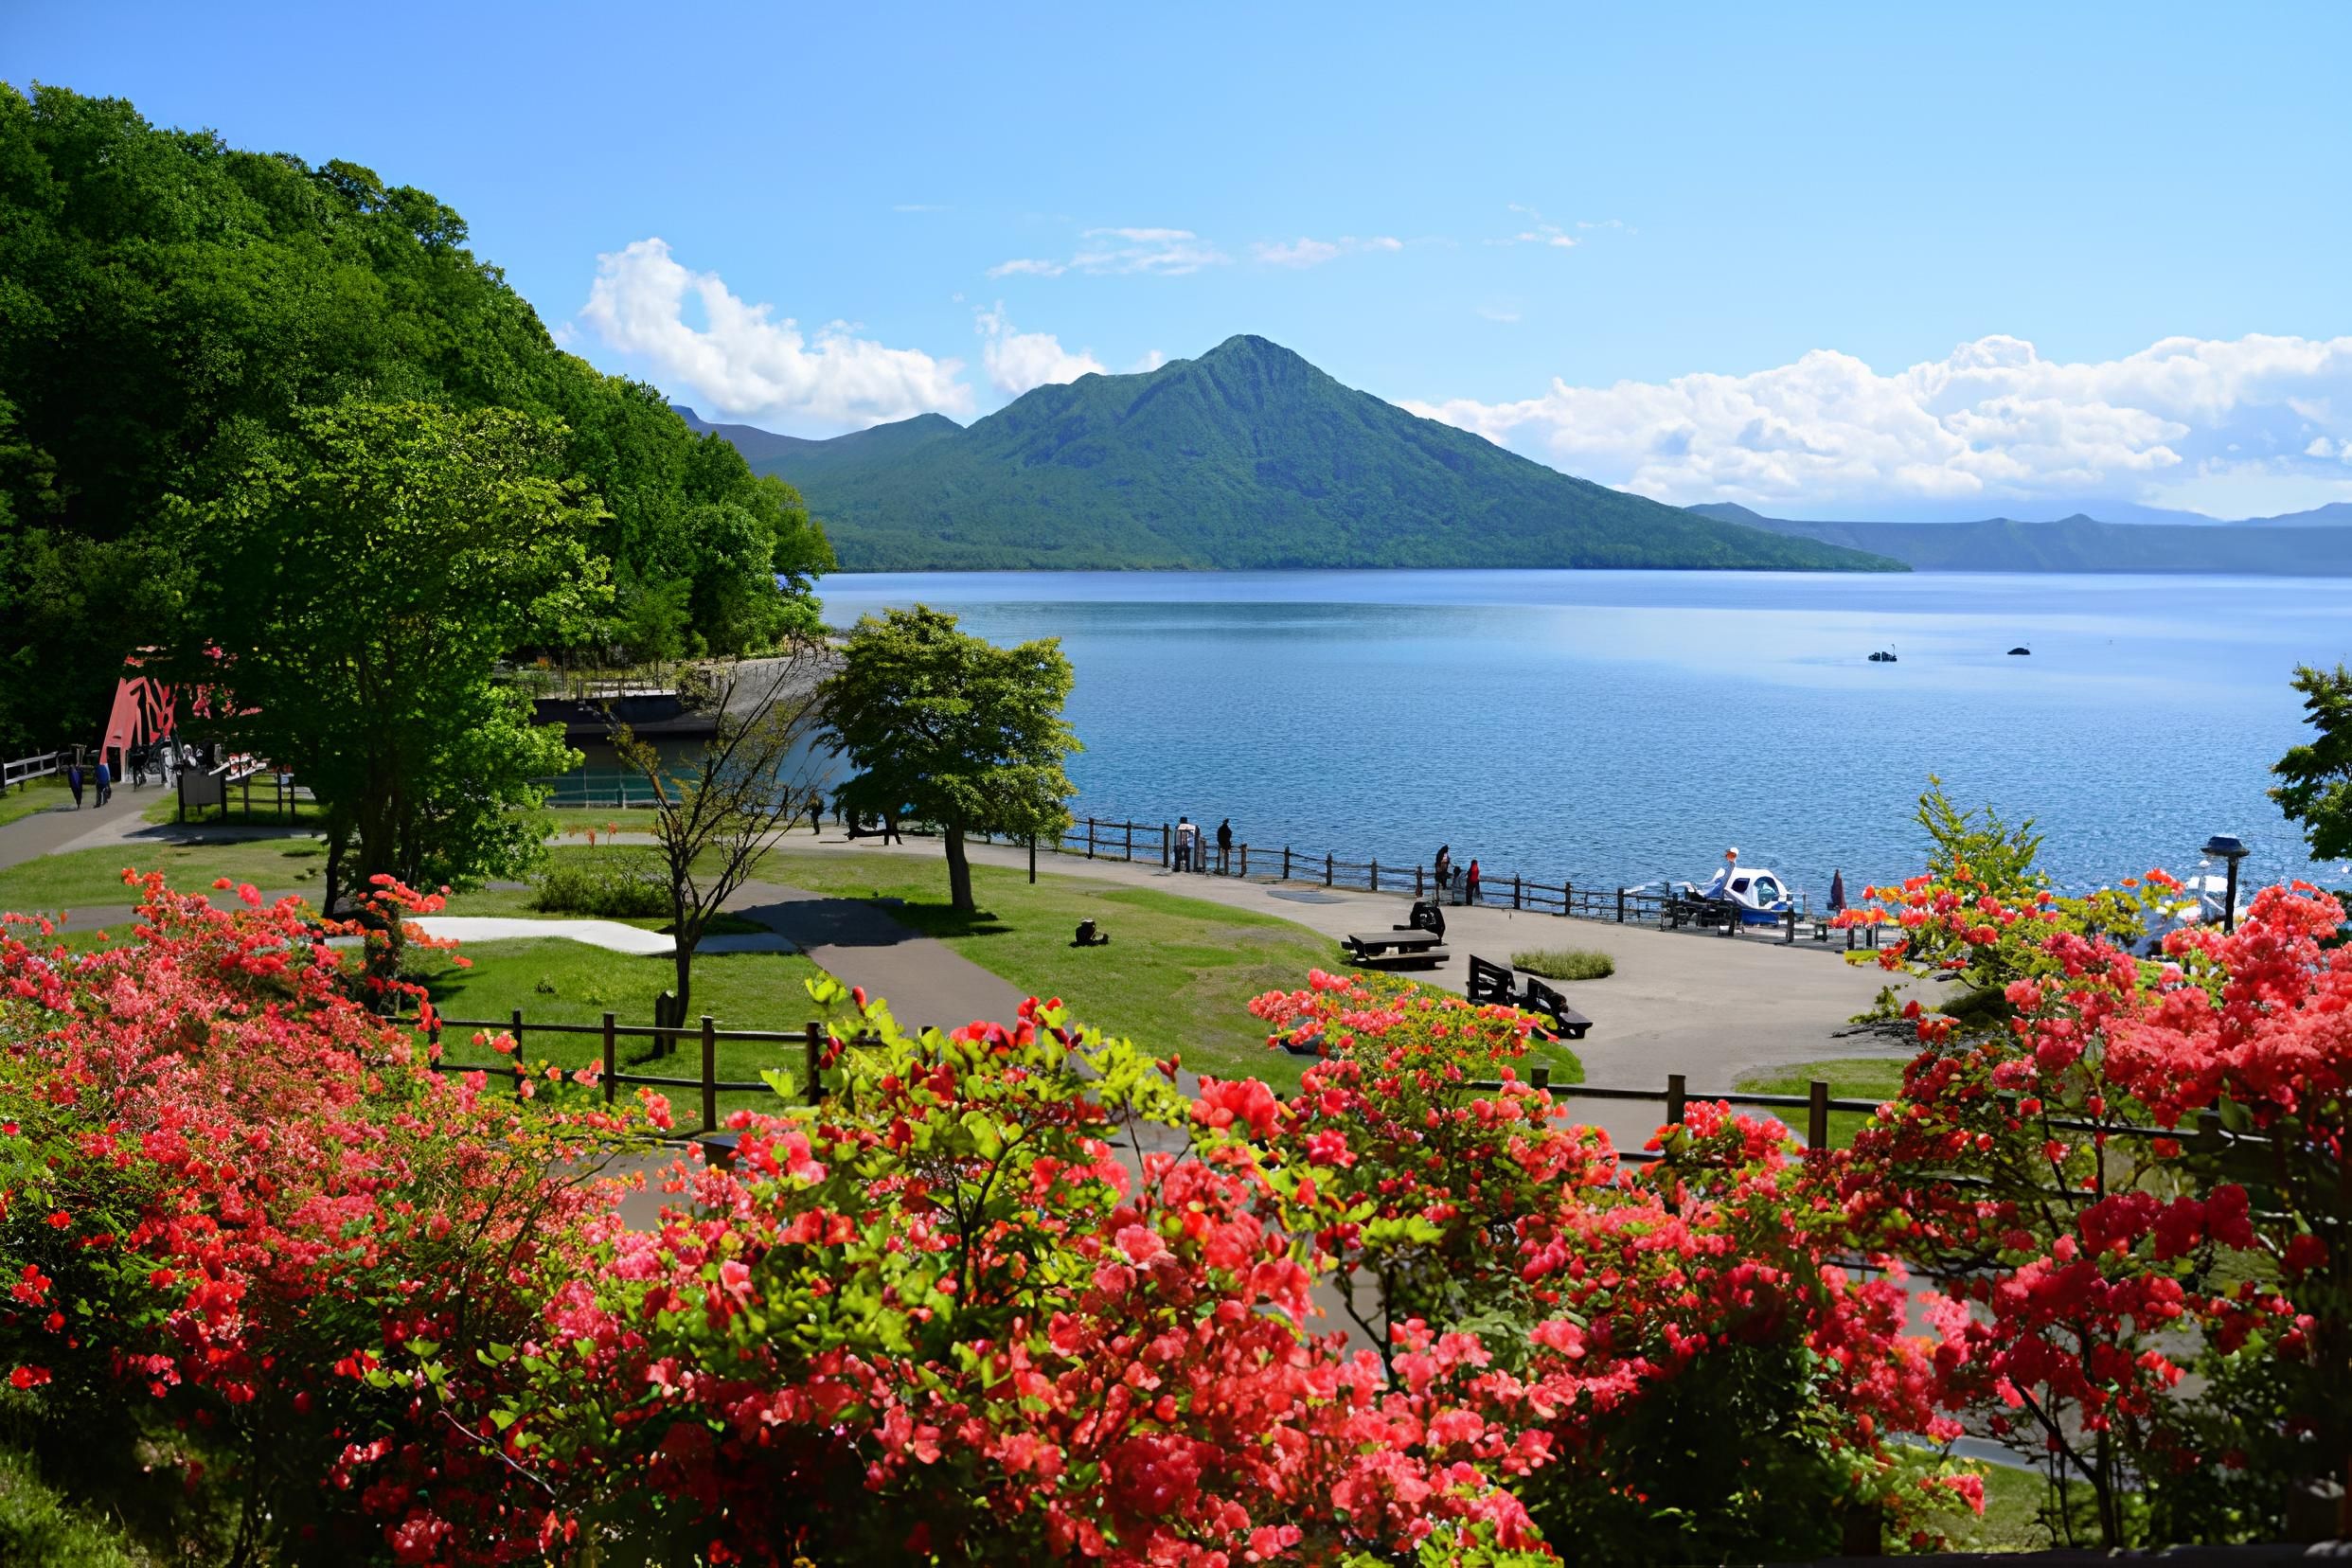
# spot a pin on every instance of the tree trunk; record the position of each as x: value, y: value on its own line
x: 959, y: 869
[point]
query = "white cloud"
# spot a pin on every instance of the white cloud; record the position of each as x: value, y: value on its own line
x: 1991, y: 420
x: 1161, y: 252
x: 1304, y: 252
x: 1151, y: 361
x: 1538, y: 232
x: 743, y: 362
x: 1018, y: 361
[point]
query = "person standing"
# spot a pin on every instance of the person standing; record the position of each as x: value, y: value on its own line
x: 1225, y: 847
x: 1445, y: 870
x: 73, y: 782
x: 1471, y: 887
x: 105, y: 782
x: 1184, y: 842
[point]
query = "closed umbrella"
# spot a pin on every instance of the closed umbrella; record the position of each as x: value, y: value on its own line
x: 1837, y: 890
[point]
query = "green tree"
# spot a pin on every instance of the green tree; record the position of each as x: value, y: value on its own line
x: 2317, y: 792
x: 166, y: 301
x: 357, y: 582
x: 717, y: 811
x: 952, y: 729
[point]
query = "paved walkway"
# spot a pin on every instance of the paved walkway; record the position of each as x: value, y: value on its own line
x: 54, y: 831
x: 1706, y: 1006
x: 925, y: 981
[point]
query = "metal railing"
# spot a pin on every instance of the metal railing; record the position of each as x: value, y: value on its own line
x: 1094, y: 838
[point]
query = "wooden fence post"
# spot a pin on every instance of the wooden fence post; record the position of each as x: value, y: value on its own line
x: 517, y: 1031
x: 612, y: 1062
x: 1168, y: 846
x: 1131, y: 842
x: 1090, y: 838
x: 710, y: 1074
x: 1791, y: 938
x: 1326, y: 870
x: 1567, y: 899
x: 811, y: 1043
x: 1621, y: 906
x: 1817, y: 1114
x: 1416, y: 879
x: 1245, y: 862
x: 1678, y: 1097
x: 1514, y: 890
x: 1376, y: 873
x: 1285, y: 862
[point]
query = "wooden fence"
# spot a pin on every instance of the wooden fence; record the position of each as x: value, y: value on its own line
x: 813, y: 1039
x: 26, y: 769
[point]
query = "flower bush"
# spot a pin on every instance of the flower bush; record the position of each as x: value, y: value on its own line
x: 253, y: 1243
x: 291, y: 1294
x: 2093, y: 1249
x: 1690, y: 1367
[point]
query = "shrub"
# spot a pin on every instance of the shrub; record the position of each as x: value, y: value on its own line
x: 1565, y: 963
x: 610, y: 886
x: 251, y: 1241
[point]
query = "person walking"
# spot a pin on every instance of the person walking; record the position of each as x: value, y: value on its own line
x: 105, y: 782
x: 1444, y: 869
x: 1184, y: 842
x: 73, y: 782
x: 1225, y: 847
x: 1471, y: 887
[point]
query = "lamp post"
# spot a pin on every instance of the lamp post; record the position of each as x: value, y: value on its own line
x: 2232, y: 850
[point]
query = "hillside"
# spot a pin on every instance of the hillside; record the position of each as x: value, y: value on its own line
x: 1248, y: 457
x: 2292, y: 546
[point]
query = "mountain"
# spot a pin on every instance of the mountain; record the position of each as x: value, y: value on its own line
x: 2336, y: 514
x: 2265, y: 547
x: 1248, y: 457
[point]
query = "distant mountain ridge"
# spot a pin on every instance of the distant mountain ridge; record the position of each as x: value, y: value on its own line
x: 1245, y: 458
x: 2310, y: 543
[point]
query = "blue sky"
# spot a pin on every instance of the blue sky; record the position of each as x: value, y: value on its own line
x: 1819, y: 260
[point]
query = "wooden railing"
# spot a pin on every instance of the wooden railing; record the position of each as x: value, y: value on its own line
x: 812, y: 1039
x: 25, y: 770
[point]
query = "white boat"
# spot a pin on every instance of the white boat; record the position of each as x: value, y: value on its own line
x: 1762, y: 897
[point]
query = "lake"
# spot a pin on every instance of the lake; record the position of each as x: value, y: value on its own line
x: 1618, y: 727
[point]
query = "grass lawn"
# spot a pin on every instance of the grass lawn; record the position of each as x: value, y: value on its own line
x: 87, y: 877
x: 37, y: 795
x: 1565, y: 963
x: 1178, y: 974
x: 554, y: 980
x: 1872, y: 1078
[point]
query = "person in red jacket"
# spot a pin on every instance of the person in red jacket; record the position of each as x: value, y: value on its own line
x: 1472, y: 886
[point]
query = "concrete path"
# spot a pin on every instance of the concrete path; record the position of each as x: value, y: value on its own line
x: 612, y: 935
x: 925, y: 981
x: 55, y: 831
x: 1709, y: 1008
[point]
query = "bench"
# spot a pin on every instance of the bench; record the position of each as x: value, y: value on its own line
x: 1494, y: 984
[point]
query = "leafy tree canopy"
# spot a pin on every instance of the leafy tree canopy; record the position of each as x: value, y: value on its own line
x: 167, y: 301
x: 2316, y: 777
x: 952, y: 729
x: 360, y: 576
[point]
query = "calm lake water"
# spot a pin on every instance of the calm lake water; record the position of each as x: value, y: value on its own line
x: 1618, y: 727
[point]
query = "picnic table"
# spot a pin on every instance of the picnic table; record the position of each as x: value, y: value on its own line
x: 1421, y: 940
